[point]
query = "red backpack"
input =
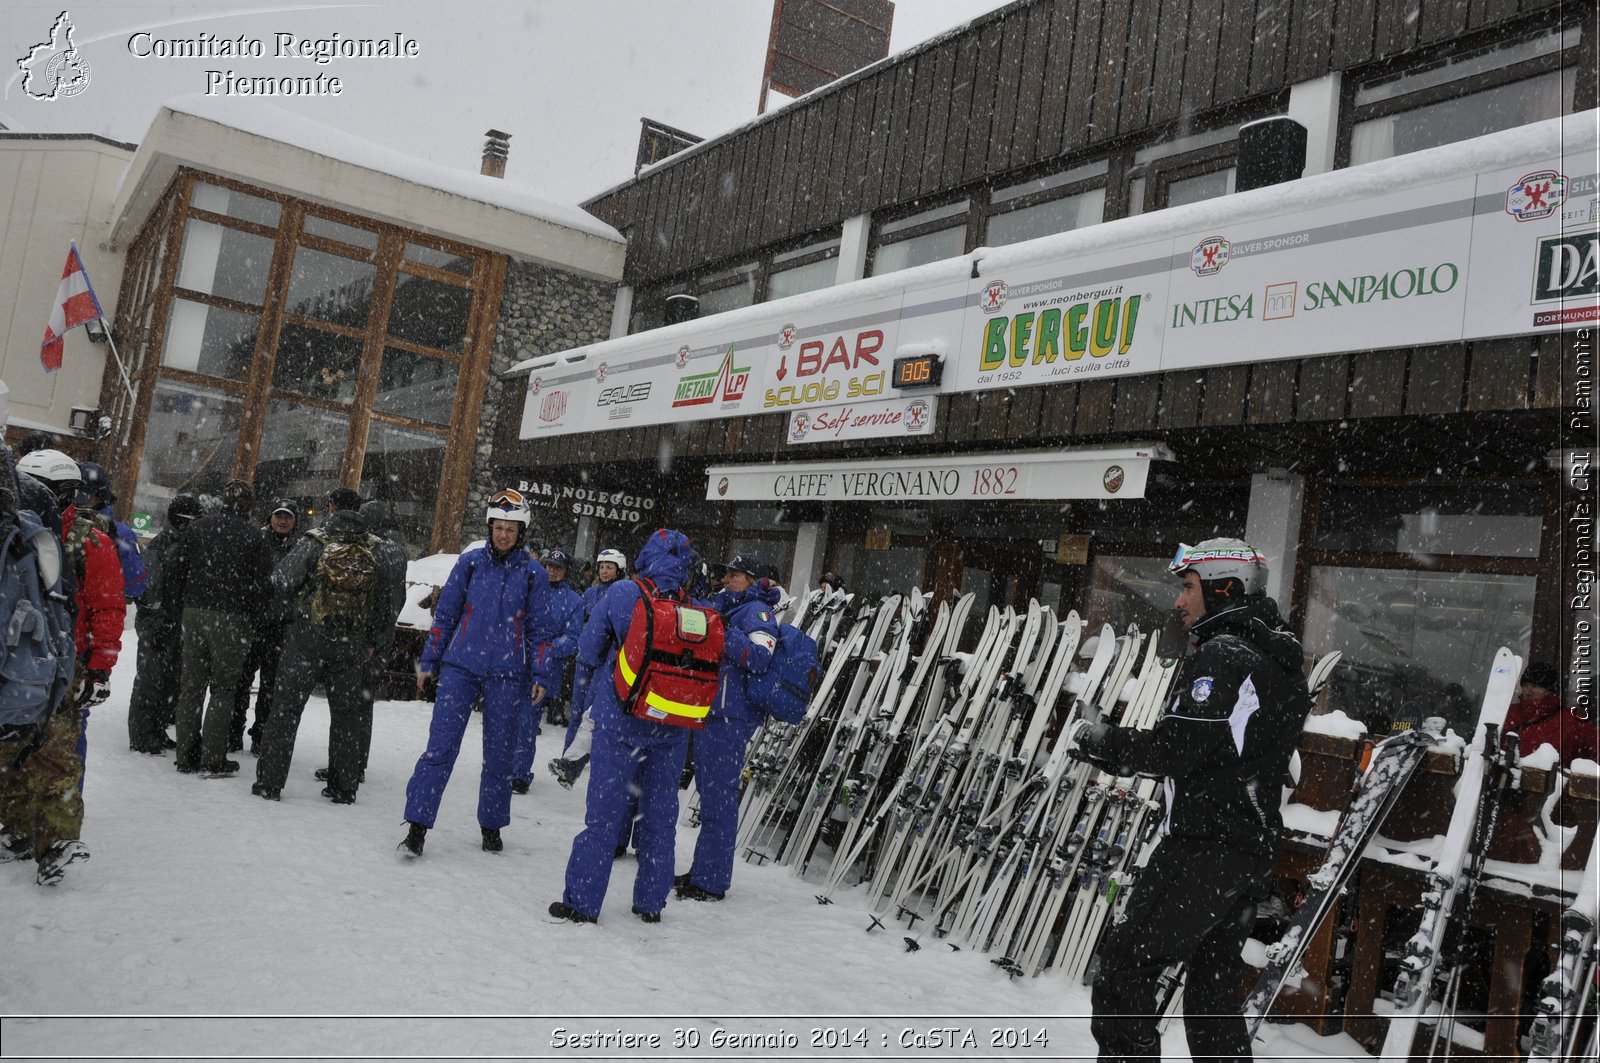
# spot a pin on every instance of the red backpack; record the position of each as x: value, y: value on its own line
x: 667, y: 666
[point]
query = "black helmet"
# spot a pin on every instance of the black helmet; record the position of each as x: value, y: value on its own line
x: 96, y: 484
x: 182, y: 509
x: 557, y: 557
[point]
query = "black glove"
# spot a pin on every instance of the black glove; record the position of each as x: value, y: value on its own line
x: 95, y: 689
x: 1091, y: 741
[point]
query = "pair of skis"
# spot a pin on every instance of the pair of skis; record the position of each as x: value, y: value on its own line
x: 1393, y: 763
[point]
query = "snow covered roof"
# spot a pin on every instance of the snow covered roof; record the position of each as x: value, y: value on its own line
x: 274, y: 149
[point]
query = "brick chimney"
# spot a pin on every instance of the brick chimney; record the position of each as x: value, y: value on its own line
x: 495, y: 150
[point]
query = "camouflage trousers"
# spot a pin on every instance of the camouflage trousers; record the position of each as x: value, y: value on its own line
x: 39, y: 772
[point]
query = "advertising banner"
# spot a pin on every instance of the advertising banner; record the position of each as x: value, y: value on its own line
x: 1467, y: 241
x: 1535, y: 248
x: 1388, y: 271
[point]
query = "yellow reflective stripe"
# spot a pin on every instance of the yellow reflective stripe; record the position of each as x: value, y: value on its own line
x: 656, y: 701
x: 675, y: 708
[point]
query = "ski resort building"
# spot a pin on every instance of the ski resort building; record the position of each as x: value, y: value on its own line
x: 1018, y: 310
x: 290, y: 305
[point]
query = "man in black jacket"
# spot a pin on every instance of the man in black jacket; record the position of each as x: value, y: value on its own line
x: 339, y: 590
x: 1222, y: 746
x: 220, y: 569
x: 281, y: 532
x: 159, y: 622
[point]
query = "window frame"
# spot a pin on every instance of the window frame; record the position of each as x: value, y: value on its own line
x: 1352, y: 114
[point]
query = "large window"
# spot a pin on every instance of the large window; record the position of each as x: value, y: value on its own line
x: 917, y: 239
x: 1461, y: 96
x: 304, y: 349
x: 1418, y: 585
x: 1055, y: 203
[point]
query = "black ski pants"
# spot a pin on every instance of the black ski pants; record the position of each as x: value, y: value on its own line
x: 152, y: 706
x: 266, y: 650
x: 1193, y: 904
x: 342, y: 668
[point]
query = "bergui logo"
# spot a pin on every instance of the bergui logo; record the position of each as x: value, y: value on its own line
x: 1567, y: 267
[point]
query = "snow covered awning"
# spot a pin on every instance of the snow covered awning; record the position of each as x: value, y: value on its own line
x: 1100, y: 472
x: 283, y: 152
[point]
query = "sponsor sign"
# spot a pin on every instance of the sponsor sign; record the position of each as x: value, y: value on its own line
x: 1377, y: 259
x: 889, y: 418
x: 947, y: 478
x: 1379, y: 272
x: 1536, y: 254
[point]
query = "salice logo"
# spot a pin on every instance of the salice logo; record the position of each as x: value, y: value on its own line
x: 993, y: 297
x: 1536, y: 195
x: 54, y: 69
x: 786, y: 337
x: 553, y: 406
x: 1209, y: 256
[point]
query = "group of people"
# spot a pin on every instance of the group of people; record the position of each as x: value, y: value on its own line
x: 504, y: 627
x: 230, y: 599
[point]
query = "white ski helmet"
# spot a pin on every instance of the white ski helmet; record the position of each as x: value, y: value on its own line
x: 1218, y: 561
x: 509, y: 505
x: 615, y: 557
x: 56, y: 471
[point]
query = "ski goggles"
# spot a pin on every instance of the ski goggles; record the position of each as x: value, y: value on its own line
x: 508, y: 501
x: 1188, y: 556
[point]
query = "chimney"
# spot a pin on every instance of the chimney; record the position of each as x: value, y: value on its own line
x: 495, y: 150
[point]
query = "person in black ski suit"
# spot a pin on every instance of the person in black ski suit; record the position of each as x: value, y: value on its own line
x: 1223, y: 746
x: 159, y: 622
x: 270, y: 628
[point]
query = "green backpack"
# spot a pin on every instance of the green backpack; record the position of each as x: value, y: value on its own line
x: 343, y: 584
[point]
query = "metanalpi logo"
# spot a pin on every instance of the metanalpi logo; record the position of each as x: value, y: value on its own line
x: 54, y: 69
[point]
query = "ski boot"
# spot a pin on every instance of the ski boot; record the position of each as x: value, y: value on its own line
x: 411, y: 844
x: 54, y: 860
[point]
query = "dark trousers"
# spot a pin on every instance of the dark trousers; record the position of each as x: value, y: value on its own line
x: 266, y: 650
x: 154, y: 701
x: 342, y: 669
x: 1194, y: 904
x: 214, y: 648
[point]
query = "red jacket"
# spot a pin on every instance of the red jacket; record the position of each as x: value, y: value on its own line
x: 1542, y: 720
x: 101, y: 607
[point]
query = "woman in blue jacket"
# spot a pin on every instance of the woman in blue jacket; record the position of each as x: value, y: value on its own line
x: 750, y: 634
x: 628, y: 752
x: 566, y: 624
x: 491, y: 638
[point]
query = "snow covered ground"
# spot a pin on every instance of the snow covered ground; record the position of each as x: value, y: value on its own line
x: 212, y: 924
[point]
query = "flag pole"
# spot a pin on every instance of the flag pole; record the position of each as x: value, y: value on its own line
x: 127, y: 383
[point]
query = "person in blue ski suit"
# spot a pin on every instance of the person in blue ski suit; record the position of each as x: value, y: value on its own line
x: 97, y: 495
x: 566, y: 623
x: 750, y: 635
x: 629, y: 753
x: 490, y: 638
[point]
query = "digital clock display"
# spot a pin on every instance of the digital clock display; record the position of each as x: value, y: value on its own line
x: 918, y: 371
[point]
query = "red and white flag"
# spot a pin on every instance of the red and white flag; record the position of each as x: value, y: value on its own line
x: 75, y: 305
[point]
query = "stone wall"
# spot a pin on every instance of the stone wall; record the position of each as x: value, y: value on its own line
x: 542, y: 310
